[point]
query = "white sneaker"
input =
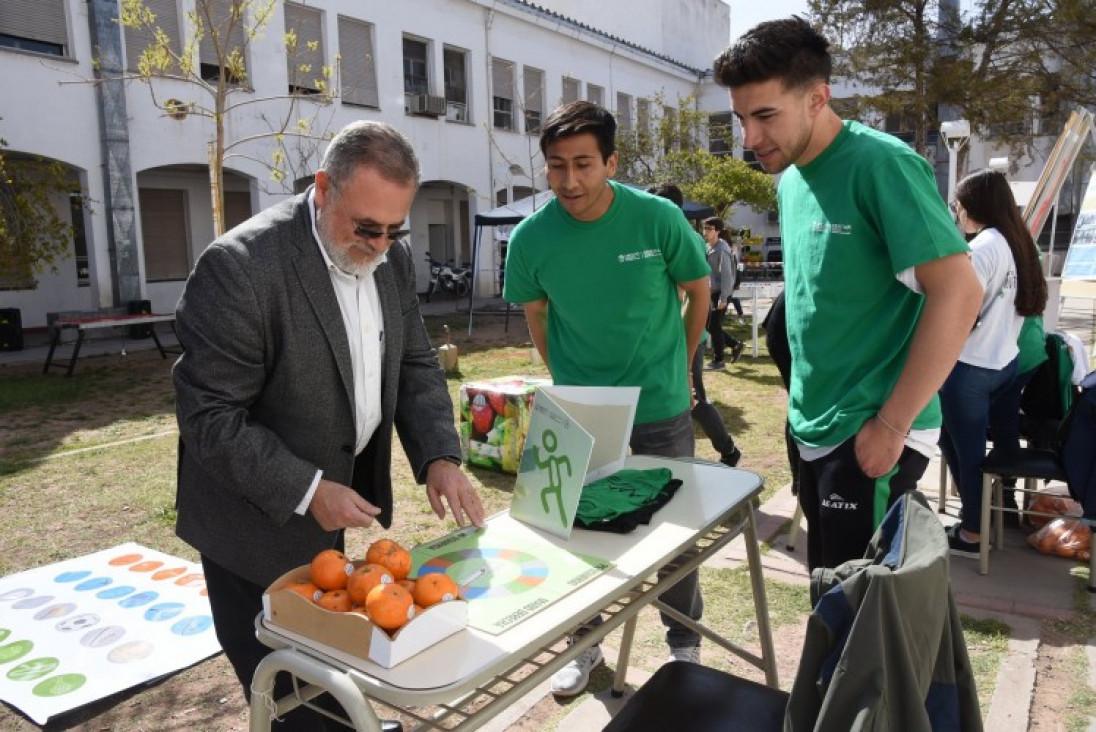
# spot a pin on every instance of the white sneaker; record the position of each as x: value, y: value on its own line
x: 685, y: 653
x: 572, y: 678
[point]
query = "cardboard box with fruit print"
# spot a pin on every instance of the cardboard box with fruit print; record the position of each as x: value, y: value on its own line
x: 494, y: 420
x: 367, y: 609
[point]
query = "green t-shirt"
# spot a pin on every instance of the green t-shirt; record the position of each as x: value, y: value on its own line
x: 1033, y: 344
x: 613, y: 314
x: 862, y: 211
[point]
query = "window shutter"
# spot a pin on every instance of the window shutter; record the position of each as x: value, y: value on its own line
x: 219, y: 15
x: 39, y: 20
x: 502, y: 79
x: 164, y: 229
x: 307, y: 24
x: 358, y: 72
x: 138, y: 39
x: 237, y: 208
x: 533, y: 81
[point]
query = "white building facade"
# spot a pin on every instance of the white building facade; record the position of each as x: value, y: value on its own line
x: 468, y: 81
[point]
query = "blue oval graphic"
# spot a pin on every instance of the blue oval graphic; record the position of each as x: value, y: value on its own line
x: 94, y: 583
x: 72, y: 576
x: 164, y: 611
x: 141, y: 598
x: 113, y: 593
x: 193, y: 625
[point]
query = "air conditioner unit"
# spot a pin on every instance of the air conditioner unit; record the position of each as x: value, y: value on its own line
x: 427, y: 104
x: 456, y: 112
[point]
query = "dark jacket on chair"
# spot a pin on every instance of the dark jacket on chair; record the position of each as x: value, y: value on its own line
x: 884, y: 647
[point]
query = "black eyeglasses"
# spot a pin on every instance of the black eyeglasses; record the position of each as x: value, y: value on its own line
x: 364, y: 232
x: 954, y: 208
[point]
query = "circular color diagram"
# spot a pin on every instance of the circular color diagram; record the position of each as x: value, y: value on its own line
x: 113, y: 593
x: 512, y: 572
x: 72, y: 576
x: 55, y: 611
x: 33, y: 669
x: 60, y: 685
x: 105, y: 636
x: 77, y: 622
x: 193, y: 625
x: 129, y: 652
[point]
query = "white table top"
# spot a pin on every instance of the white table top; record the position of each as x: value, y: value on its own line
x: 708, y: 495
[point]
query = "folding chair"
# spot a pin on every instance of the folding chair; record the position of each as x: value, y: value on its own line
x: 884, y: 650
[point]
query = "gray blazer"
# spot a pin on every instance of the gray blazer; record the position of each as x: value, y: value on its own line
x: 264, y: 394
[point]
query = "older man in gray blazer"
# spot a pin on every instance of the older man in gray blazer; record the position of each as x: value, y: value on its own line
x: 304, y: 347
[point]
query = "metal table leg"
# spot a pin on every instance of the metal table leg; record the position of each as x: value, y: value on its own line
x: 761, y: 603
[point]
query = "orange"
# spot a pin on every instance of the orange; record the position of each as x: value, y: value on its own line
x: 389, y: 553
x: 307, y: 590
x: 430, y: 589
x: 365, y: 578
x: 329, y: 569
x: 388, y: 606
x: 407, y: 584
x: 335, y: 600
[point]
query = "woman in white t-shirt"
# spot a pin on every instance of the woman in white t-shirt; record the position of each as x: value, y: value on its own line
x: 1007, y: 264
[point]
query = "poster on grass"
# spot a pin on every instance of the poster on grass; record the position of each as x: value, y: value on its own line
x: 80, y: 630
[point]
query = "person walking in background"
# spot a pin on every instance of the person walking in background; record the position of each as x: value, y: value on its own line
x: 303, y: 351
x: 880, y: 293
x: 597, y: 270
x: 724, y: 273
x: 1007, y: 264
x: 736, y: 256
x: 704, y: 412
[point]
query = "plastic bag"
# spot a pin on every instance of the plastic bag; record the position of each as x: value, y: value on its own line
x: 1051, y: 503
x: 1063, y: 537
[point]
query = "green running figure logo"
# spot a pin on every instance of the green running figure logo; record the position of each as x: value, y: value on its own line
x: 555, y: 479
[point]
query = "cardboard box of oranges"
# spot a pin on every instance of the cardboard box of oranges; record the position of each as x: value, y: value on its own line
x: 360, y: 608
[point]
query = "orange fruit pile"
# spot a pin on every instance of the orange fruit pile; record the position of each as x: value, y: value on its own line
x: 377, y: 587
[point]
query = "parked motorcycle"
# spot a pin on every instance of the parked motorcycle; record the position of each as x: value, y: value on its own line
x: 448, y: 278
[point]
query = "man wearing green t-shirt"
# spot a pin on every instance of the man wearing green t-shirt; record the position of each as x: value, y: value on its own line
x: 597, y: 270
x: 880, y: 292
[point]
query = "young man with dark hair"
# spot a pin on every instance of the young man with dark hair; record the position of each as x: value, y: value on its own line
x: 597, y: 270
x: 880, y: 291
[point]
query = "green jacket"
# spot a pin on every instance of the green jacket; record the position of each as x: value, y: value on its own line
x: 884, y: 648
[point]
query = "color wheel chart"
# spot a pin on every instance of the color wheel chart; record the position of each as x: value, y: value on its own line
x: 505, y: 584
x: 86, y: 628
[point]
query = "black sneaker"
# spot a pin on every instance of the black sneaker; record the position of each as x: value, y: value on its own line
x: 715, y: 366
x: 736, y: 351
x: 730, y: 459
x: 959, y: 546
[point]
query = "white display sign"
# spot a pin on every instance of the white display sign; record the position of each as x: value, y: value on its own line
x: 80, y: 630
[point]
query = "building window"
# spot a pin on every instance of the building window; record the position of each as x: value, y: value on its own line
x: 223, y: 20
x: 142, y: 38
x: 164, y: 234
x: 502, y: 94
x: 34, y: 25
x: 358, y: 71
x: 624, y: 112
x: 750, y: 159
x: 455, y: 67
x: 595, y: 94
x: 237, y: 208
x: 533, y: 89
x: 304, y: 54
x: 669, y: 124
x: 79, y: 240
x: 721, y: 133
x: 643, y: 116
x: 416, y: 74
x: 571, y: 90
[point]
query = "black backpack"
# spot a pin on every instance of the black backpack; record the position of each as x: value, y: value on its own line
x: 1049, y: 396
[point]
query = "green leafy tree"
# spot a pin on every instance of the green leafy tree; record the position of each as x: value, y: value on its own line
x: 675, y: 149
x: 229, y: 27
x: 33, y: 234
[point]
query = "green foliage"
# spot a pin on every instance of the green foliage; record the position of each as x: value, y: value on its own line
x: 674, y: 150
x: 33, y: 234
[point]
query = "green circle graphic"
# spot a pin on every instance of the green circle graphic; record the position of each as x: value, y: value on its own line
x: 59, y: 685
x: 15, y: 650
x: 4, y: 633
x: 36, y: 668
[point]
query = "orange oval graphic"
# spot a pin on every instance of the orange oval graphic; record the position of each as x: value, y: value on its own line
x: 124, y: 559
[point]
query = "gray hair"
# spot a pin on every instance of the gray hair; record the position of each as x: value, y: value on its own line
x: 373, y: 144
